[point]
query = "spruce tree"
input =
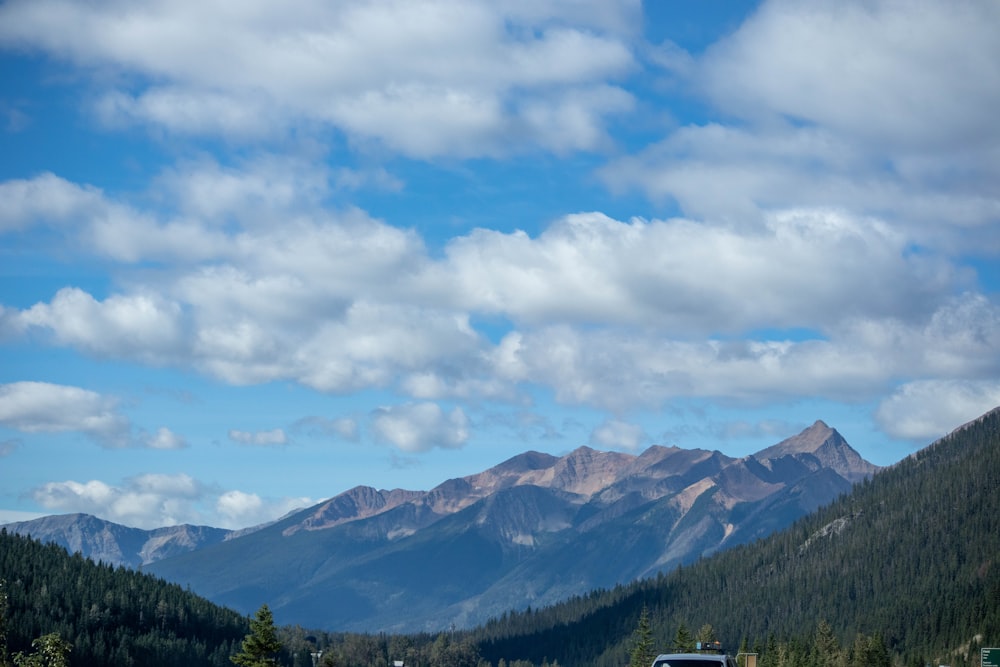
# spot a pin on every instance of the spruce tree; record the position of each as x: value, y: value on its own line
x: 261, y: 645
x: 642, y: 652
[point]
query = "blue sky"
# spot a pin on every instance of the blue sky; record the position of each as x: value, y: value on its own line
x: 255, y: 254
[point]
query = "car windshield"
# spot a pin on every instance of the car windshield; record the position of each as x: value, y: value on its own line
x: 685, y: 662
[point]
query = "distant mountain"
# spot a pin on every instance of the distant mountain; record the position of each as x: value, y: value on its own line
x: 114, y: 544
x: 533, y: 530
x: 909, y: 557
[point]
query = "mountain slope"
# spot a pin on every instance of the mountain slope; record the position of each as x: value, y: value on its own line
x: 112, y: 617
x: 531, y: 531
x: 910, y: 555
x: 115, y: 544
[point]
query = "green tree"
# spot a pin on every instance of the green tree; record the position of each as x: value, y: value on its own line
x: 683, y: 641
x: 642, y: 652
x: 51, y: 650
x: 826, y: 648
x: 869, y: 652
x: 261, y: 645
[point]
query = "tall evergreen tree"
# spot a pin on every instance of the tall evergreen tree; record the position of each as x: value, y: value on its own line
x: 642, y: 652
x: 261, y: 645
x: 826, y: 649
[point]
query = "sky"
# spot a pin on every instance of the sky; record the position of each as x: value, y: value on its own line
x: 254, y: 254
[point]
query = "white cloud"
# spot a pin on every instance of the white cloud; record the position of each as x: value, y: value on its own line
x: 881, y: 108
x: 147, y: 501
x: 620, y: 369
x: 800, y: 267
x: 259, y: 438
x: 716, y: 172
x: 41, y: 407
x: 155, y: 500
x: 419, y: 427
x: 926, y: 410
x: 342, y: 302
x: 237, y: 509
x: 164, y: 438
x: 44, y: 199
x: 238, y: 506
x: 898, y: 74
x: 616, y: 434
x: 191, y: 111
x: 440, y: 77
x: 141, y: 326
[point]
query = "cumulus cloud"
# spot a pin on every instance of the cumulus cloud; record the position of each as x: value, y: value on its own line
x: 926, y: 410
x: 856, y: 360
x: 240, y: 509
x: 820, y: 253
x: 604, y: 312
x: 616, y: 434
x: 800, y: 267
x: 155, y: 500
x: 419, y: 427
x: 259, y: 438
x: 145, y: 501
x: 144, y: 326
x: 876, y: 107
x: 44, y: 199
x: 882, y: 71
x: 441, y: 77
x: 41, y: 407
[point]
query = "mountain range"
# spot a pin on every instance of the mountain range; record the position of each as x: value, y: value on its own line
x: 531, y: 531
x: 905, y: 564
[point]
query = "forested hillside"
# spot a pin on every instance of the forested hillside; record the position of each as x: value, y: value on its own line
x: 911, y: 556
x: 112, y: 617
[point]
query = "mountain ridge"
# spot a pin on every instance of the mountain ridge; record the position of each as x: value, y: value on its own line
x: 533, y: 529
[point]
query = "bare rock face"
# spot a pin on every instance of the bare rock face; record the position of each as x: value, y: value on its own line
x: 115, y: 544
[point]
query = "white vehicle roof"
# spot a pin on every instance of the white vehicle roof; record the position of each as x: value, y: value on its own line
x: 692, y: 660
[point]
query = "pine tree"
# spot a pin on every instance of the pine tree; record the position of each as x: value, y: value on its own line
x: 261, y: 645
x: 642, y: 652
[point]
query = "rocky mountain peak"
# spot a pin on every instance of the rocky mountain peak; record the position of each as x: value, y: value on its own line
x: 806, y: 442
x: 826, y: 446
